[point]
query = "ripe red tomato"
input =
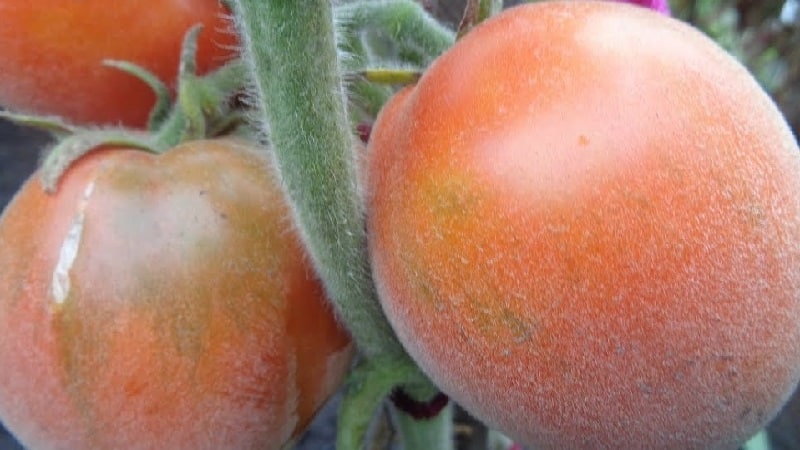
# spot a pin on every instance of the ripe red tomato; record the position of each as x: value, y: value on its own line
x: 161, y: 302
x: 51, y: 54
x: 584, y: 222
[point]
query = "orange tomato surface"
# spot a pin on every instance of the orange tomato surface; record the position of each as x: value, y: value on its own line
x: 162, y: 302
x: 51, y: 54
x: 584, y: 224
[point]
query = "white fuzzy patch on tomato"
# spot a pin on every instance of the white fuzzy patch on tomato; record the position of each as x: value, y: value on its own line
x: 69, y: 250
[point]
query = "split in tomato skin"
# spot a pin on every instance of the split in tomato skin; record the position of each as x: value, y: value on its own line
x: 162, y: 302
x: 584, y: 225
x: 52, y: 53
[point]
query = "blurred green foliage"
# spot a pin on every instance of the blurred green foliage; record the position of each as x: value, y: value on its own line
x: 763, y: 34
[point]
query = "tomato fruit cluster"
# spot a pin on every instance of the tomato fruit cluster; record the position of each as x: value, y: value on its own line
x: 162, y: 301
x: 584, y: 223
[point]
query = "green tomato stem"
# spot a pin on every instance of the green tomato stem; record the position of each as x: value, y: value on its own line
x: 368, y: 386
x: 161, y: 110
x: 433, y: 433
x: 292, y: 53
x: 291, y: 49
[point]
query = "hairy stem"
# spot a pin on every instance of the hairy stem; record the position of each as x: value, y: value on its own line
x: 291, y: 49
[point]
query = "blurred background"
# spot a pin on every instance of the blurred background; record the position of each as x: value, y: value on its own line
x: 763, y: 34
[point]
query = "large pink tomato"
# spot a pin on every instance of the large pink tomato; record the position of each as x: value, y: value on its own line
x: 584, y: 221
x: 162, y: 303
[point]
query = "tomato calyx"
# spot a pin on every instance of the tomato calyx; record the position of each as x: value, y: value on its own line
x: 205, y: 107
x: 417, y: 409
x: 384, y: 45
x: 161, y: 108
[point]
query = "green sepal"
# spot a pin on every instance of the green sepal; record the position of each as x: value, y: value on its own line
x: 68, y: 150
x: 161, y: 109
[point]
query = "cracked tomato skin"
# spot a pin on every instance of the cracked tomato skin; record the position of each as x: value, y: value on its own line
x: 162, y: 302
x: 51, y: 54
x: 584, y: 225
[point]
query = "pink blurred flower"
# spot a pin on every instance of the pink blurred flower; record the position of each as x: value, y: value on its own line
x: 661, y: 6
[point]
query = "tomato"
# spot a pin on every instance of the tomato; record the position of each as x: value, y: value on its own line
x: 51, y: 54
x: 162, y: 302
x: 584, y: 225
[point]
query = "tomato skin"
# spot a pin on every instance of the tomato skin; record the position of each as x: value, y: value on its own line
x: 185, y: 315
x: 51, y: 54
x: 584, y: 224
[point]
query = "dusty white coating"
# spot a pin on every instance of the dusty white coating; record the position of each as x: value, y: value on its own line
x: 69, y: 250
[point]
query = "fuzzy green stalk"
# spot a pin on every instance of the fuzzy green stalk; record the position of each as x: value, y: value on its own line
x: 291, y: 50
x: 369, y: 385
x: 433, y: 433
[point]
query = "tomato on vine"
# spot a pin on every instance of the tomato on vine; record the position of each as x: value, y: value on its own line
x: 162, y: 302
x: 52, y: 53
x: 584, y: 223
